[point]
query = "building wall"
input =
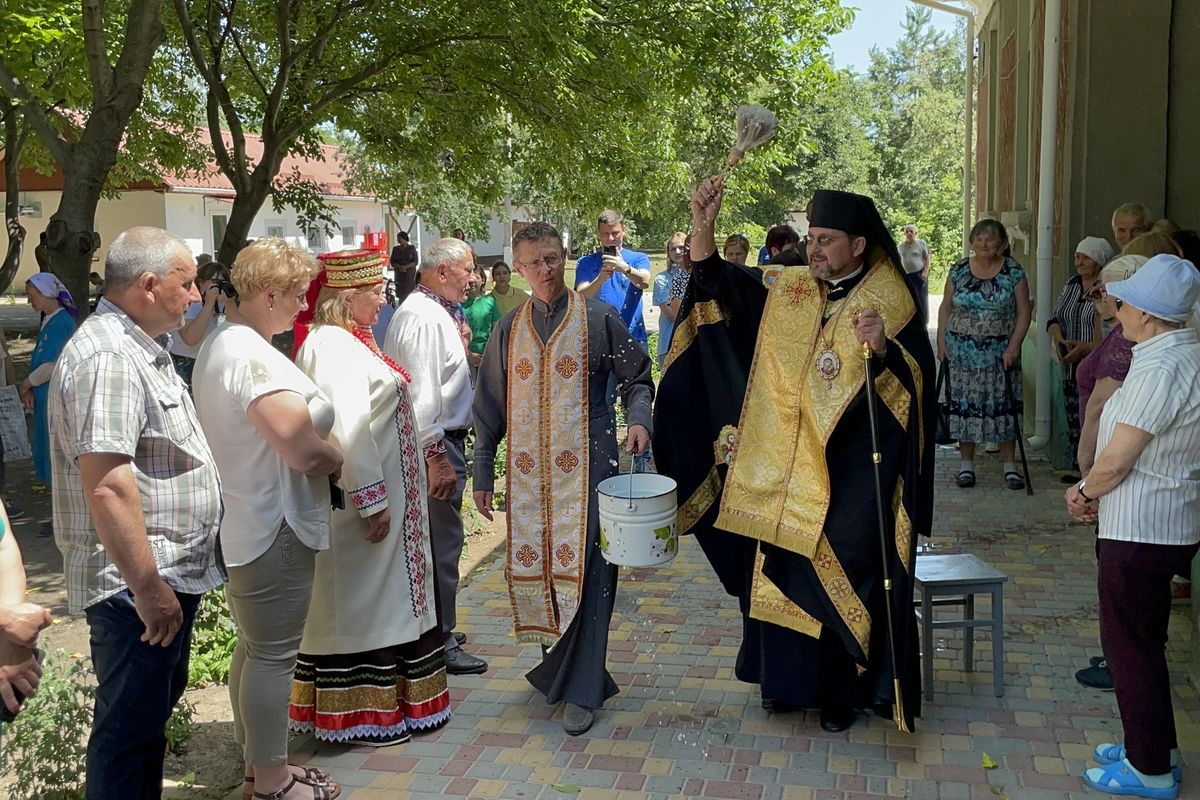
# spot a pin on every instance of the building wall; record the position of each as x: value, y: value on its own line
x: 197, y: 218
x: 1183, y: 120
x: 112, y: 217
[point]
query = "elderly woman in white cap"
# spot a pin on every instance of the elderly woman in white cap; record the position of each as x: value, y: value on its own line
x: 48, y: 296
x: 1145, y: 491
x: 1098, y: 376
x: 1074, y: 328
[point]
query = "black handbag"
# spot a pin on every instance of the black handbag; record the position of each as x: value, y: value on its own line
x: 942, y: 432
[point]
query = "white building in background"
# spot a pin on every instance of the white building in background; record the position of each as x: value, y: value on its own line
x: 197, y: 208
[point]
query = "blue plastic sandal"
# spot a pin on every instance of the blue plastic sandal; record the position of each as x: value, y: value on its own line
x: 1112, y: 753
x: 1119, y: 778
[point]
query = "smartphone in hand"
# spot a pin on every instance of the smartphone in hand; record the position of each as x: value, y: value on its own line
x: 337, y: 497
x: 610, y: 250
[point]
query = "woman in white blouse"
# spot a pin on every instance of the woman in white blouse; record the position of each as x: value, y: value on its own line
x: 1145, y: 490
x: 268, y: 427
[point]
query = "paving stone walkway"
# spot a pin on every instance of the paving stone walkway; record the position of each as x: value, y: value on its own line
x: 683, y: 726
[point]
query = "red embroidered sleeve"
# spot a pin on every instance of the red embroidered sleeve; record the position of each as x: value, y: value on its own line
x: 367, y: 498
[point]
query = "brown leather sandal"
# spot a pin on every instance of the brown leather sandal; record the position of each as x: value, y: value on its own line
x: 320, y: 791
x: 313, y: 776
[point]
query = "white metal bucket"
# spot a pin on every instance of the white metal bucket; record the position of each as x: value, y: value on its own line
x: 638, y: 519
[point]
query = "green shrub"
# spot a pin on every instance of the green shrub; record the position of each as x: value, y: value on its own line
x: 46, y: 747
x: 213, y: 638
x: 180, y: 726
x: 501, y: 464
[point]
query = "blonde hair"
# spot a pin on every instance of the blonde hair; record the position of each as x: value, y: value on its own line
x: 736, y: 238
x: 677, y: 236
x: 1150, y: 245
x: 271, y: 263
x: 333, y: 306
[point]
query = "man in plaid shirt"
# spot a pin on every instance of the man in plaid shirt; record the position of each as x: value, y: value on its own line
x: 137, y: 505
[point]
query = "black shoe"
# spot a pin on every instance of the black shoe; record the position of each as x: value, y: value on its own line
x: 1014, y: 481
x: 461, y: 638
x: 774, y: 706
x: 14, y: 511
x: 1097, y: 677
x: 459, y: 662
x: 837, y: 719
x: 1096, y: 661
x: 965, y: 479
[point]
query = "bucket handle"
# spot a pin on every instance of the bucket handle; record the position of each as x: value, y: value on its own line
x: 633, y: 468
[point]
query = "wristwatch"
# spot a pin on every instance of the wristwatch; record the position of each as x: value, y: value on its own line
x: 1079, y: 489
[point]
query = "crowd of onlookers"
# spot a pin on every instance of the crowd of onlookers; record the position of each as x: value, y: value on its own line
x: 335, y: 477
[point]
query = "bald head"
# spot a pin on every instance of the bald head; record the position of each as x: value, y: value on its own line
x: 141, y: 250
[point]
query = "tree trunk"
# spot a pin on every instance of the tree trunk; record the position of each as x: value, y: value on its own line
x: 83, y: 179
x: 241, y: 216
x: 14, y: 141
x: 117, y: 92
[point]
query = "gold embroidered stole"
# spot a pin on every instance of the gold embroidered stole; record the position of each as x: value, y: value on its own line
x: 547, y: 472
x: 777, y: 489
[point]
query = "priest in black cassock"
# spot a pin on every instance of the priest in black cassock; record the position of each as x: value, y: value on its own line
x: 543, y: 387
x: 762, y: 420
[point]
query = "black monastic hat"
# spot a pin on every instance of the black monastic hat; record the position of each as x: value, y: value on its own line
x: 856, y: 215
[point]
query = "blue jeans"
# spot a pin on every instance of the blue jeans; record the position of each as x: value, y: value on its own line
x: 138, y: 687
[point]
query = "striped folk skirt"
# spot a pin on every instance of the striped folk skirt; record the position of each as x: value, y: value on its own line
x: 379, y: 697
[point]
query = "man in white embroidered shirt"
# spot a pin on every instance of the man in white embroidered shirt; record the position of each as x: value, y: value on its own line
x: 428, y: 336
x: 137, y: 505
x: 1144, y: 491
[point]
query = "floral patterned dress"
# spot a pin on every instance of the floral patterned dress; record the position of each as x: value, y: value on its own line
x: 977, y: 333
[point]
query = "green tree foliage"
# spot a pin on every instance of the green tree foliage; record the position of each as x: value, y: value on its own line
x: 916, y: 89
x: 88, y: 84
x: 575, y: 106
x: 894, y: 133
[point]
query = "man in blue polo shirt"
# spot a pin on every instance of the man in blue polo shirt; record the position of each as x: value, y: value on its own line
x: 617, y: 276
x: 616, y: 279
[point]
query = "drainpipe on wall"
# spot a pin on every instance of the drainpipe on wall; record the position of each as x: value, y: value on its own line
x: 1047, y: 191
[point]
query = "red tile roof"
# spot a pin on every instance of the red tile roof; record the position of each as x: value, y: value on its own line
x: 326, y: 174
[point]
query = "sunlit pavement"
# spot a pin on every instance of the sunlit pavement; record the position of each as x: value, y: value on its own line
x: 683, y: 726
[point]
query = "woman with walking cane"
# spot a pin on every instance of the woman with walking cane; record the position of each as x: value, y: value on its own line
x: 984, y: 316
x: 817, y: 562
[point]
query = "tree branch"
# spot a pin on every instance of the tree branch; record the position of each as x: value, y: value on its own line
x: 95, y: 45
x: 144, y: 32
x: 235, y: 168
x: 58, y: 145
x: 340, y: 90
x: 237, y: 43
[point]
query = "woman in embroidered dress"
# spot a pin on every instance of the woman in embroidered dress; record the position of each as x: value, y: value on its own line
x: 984, y: 316
x: 371, y: 668
x: 48, y: 295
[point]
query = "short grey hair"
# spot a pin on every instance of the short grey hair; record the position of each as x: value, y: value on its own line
x: 140, y: 250
x: 610, y: 216
x: 910, y: 225
x: 445, y: 251
x: 1132, y: 209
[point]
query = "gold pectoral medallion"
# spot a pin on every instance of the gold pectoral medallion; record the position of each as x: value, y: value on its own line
x: 828, y: 364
